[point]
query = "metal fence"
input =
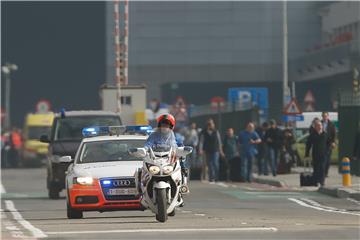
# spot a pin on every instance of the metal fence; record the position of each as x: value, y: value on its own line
x: 347, y: 99
x: 349, y: 126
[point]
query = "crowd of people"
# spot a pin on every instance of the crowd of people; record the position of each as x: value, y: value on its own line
x: 268, y: 148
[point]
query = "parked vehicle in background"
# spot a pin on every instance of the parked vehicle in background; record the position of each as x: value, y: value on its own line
x: 33, y: 152
x: 302, y: 127
x: 64, y: 140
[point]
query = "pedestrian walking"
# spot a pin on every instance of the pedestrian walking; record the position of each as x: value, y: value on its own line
x: 192, y: 139
x: 289, y: 155
x: 330, y: 130
x: 261, y: 156
x: 210, y: 145
x: 318, y: 143
x: 248, y: 139
x: 230, y: 150
x: 274, y: 141
x: 312, y: 126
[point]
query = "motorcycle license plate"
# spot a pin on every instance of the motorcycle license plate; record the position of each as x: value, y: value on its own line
x: 121, y: 191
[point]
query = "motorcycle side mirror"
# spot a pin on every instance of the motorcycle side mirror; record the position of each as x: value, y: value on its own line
x: 183, y: 151
x: 137, y: 152
x: 65, y: 159
x: 44, y: 139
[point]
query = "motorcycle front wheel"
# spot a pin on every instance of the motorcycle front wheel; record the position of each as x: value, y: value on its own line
x: 161, y: 204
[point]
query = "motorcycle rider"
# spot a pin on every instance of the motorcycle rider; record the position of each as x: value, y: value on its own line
x: 164, y: 136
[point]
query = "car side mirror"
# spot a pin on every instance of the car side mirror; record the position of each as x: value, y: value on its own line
x: 44, y: 139
x: 183, y: 151
x: 137, y: 152
x: 65, y: 159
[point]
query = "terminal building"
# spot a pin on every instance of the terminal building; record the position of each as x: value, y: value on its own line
x: 187, y: 48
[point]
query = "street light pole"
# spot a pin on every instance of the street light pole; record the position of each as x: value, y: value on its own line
x: 285, y: 56
x: 7, y: 69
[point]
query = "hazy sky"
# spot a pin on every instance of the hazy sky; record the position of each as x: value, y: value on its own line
x: 59, y: 48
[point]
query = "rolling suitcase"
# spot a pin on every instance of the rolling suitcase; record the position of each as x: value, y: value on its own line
x: 235, y: 169
x: 306, y: 177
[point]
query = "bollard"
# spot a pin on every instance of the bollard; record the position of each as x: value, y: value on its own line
x: 346, y: 172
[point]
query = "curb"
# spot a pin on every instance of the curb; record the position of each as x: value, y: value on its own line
x: 272, y: 182
x: 340, y: 192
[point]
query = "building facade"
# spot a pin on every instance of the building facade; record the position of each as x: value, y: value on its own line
x: 172, y: 44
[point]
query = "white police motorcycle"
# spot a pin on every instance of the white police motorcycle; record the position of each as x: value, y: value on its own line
x: 160, y: 179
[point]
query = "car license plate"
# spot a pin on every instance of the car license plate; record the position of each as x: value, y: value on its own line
x: 121, y: 191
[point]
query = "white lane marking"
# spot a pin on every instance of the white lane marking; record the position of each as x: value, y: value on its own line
x: 299, y: 224
x: 221, y: 184
x: 354, y: 201
x: 199, y: 214
x: 321, y: 208
x: 185, y: 211
x: 36, y: 232
x: 2, y: 189
x: 265, y: 229
x: 14, y: 230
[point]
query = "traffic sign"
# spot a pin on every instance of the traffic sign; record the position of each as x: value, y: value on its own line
x: 43, y: 106
x: 292, y: 108
x: 293, y: 118
x: 309, y: 97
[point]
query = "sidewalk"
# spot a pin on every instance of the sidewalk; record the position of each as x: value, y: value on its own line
x: 333, y: 183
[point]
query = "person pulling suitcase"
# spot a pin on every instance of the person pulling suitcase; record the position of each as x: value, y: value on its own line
x: 318, y: 142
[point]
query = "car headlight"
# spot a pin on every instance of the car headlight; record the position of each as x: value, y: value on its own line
x: 168, y: 169
x: 154, y: 170
x: 84, y: 180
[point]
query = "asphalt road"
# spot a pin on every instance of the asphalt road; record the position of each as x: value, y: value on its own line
x: 219, y: 211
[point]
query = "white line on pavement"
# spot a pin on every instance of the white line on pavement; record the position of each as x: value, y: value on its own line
x: 353, y: 200
x: 264, y: 229
x: 37, y: 233
x: 199, y: 214
x: 322, y: 208
x: 222, y: 184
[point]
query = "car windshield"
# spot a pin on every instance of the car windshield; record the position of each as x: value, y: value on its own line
x: 35, y: 132
x: 70, y: 128
x: 107, y: 151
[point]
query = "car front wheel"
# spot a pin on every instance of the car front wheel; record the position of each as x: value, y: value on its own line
x: 73, y: 213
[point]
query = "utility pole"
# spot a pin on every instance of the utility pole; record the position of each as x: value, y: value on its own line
x: 7, y: 69
x: 117, y: 53
x: 285, y: 56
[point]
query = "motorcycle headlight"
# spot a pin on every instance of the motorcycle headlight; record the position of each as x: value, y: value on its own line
x: 84, y: 180
x: 154, y: 170
x: 168, y: 169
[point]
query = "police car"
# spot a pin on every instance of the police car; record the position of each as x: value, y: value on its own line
x: 102, y: 174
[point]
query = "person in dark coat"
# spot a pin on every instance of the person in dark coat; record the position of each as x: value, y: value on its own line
x: 318, y: 143
x: 262, y: 149
x: 274, y: 140
x: 330, y: 129
x: 211, y: 145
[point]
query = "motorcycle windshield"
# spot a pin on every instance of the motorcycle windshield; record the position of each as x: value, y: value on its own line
x: 162, y: 154
x: 162, y: 148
